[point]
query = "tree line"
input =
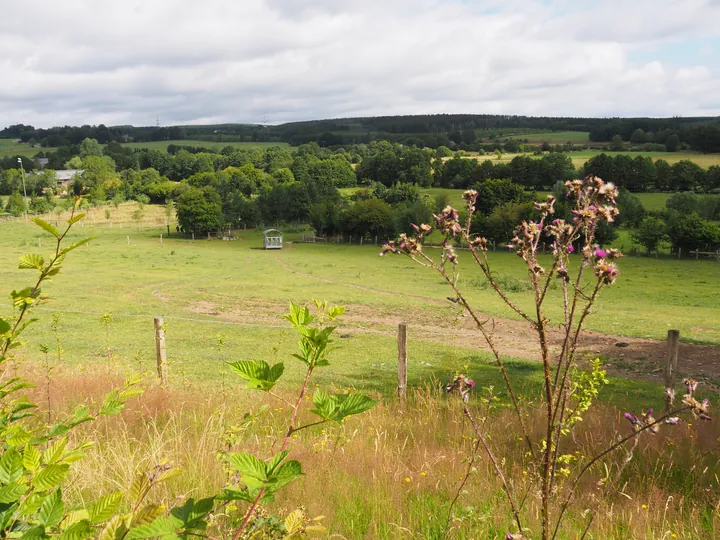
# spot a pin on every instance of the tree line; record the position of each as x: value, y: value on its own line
x: 454, y: 130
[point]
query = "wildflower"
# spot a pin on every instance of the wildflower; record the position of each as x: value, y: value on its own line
x: 462, y: 385
x: 389, y: 248
x: 423, y: 473
x: 470, y: 197
x: 644, y: 506
x: 407, y: 479
x: 479, y: 243
x: 673, y: 420
x: 606, y: 271
x: 699, y: 409
x: 600, y: 253
x: 690, y: 385
x: 571, y: 249
x: 447, y: 221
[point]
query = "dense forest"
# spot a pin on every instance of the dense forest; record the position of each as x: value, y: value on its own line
x: 457, y: 131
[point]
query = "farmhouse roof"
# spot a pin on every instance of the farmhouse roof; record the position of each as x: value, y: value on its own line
x: 67, y: 174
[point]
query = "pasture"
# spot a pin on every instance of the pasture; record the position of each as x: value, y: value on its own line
x: 384, y: 474
x: 8, y: 148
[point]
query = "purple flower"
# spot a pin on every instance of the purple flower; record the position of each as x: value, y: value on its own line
x: 471, y: 383
x: 634, y: 420
x: 571, y: 248
x: 600, y: 253
x: 673, y: 420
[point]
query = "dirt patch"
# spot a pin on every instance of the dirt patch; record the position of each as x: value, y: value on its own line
x: 163, y: 297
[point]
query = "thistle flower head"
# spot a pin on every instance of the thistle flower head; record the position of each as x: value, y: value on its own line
x: 447, y: 221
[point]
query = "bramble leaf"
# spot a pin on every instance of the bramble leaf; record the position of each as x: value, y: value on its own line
x: 162, y: 527
x: 51, y: 476
x: 11, y: 466
x: 105, y: 507
x: 258, y: 373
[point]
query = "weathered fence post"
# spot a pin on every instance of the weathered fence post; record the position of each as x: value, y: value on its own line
x: 402, y: 363
x: 671, y: 359
x: 161, y: 238
x: 160, y: 350
x: 128, y: 239
x: 193, y: 236
x: 376, y: 245
x: 361, y: 240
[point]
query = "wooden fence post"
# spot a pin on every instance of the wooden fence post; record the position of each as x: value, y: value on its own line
x: 671, y: 359
x: 402, y: 363
x: 160, y: 352
x: 128, y: 238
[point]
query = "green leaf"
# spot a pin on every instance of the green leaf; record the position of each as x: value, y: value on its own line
x: 146, y: 514
x: 17, y: 436
x: 31, y: 458
x: 77, y: 531
x: 13, y: 492
x: 286, y: 473
x: 160, y: 528
x: 55, y: 450
x: 105, y: 507
x: 276, y: 460
x: 77, y: 217
x: 51, y: 476
x: 325, y: 404
x: 139, y: 487
x: 4, y: 326
x: 112, y: 405
x: 114, y: 530
x: 52, y: 509
x: 33, y: 533
x: 31, y: 261
x: 354, y: 404
x: 44, y: 225
x: 32, y: 504
x: 191, y: 514
x: 258, y: 373
x: 77, y: 245
x: 248, y: 464
x: 11, y: 466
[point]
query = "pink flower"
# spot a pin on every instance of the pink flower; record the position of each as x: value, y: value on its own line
x: 600, y: 253
x: 674, y: 420
x: 571, y: 248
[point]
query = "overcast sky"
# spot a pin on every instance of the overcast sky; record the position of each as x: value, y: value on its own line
x: 189, y: 61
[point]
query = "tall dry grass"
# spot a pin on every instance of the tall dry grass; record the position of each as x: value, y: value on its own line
x: 385, y: 474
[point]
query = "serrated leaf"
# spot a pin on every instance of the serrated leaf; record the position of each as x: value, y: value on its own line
x: 139, y: 487
x: 276, y: 460
x: 33, y: 532
x: 354, y: 404
x: 75, y: 516
x: 286, y: 473
x: 51, y: 476
x: 55, y: 450
x: 44, y: 225
x: 4, y: 326
x: 160, y: 528
x: 31, y: 261
x: 258, y: 373
x: 77, y: 531
x: 114, y: 530
x: 52, y: 509
x: 191, y: 514
x: 294, y: 522
x: 105, y: 507
x: 77, y: 217
x: 17, y: 436
x: 131, y: 392
x: 248, y: 464
x: 146, y: 514
x: 11, y: 466
x: 31, y: 504
x: 77, y: 245
x: 13, y: 492
x: 31, y: 458
x: 111, y: 405
x: 169, y: 475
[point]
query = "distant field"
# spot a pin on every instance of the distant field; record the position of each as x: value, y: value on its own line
x: 162, y: 145
x: 579, y: 158
x: 559, y: 137
x: 8, y: 147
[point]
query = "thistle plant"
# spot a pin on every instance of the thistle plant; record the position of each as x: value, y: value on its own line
x: 260, y: 479
x: 583, y: 269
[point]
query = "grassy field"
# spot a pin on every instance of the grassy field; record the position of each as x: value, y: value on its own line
x: 162, y: 145
x: 8, y: 147
x: 384, y: 474
x: 558, y: 137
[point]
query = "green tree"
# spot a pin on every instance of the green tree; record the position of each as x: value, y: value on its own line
x: 682, y: 203
x: 672, y: 143
x: 691, y: 232
x: 638, y: 137
x: 371, y: 217
x: 90, y: 147
x: 495, y: 192
x: 686, y: 176
x: 616, y: 144
x: 15, y: 205
x: 199, y: 211
x: 650, y: 234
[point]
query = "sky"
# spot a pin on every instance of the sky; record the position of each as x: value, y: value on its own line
x: 272, y: 61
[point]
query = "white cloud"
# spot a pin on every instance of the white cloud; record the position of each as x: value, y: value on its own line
x: 83, y: 61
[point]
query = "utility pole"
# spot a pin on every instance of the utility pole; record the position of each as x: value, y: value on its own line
x: 22, y: 170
